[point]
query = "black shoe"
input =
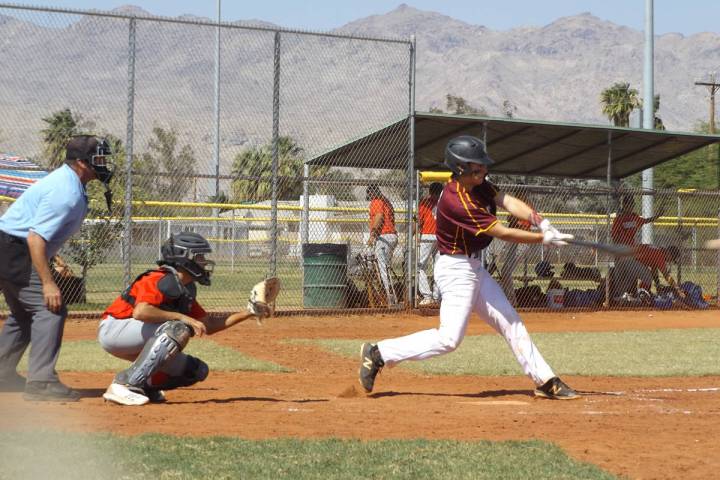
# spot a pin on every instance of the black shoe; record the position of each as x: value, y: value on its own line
x: 155, y: 395
x: 370, y: 365
x: 50, y: 392
x: 12, y: 383
x: 556, y: 389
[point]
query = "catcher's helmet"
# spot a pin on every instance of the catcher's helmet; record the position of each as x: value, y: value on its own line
x: 95, y: 151
x: 187, y: 250
x: 465, y: 149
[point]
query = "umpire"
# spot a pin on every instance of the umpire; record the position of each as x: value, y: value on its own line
x: 31, y: 231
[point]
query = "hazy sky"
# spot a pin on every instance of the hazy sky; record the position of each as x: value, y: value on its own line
x: 683, y: 16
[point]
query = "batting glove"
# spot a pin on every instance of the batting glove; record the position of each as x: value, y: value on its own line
x: 552, y: 236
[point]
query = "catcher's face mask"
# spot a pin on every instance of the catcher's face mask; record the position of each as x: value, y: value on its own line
x: 101, y: 162
x: 197, y: 265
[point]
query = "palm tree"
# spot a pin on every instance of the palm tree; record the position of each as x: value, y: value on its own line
x: 618, y: 102
x: 61, y: 126
x: 252, y: 170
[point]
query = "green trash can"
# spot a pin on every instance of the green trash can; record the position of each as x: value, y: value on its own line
x: 324, y: 275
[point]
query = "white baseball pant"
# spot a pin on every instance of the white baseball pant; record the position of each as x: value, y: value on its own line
x: 428, y: 250
x: 384, y: 247
x: 465, y: 286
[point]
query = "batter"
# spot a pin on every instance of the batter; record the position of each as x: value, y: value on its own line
x: 466, y: 224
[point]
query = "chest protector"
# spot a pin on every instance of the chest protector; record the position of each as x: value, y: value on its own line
x: 178, y: 297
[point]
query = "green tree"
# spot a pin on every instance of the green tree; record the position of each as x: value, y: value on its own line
x: 509, y: 109
x: 166, y: 172
x: 90, y: 246
x: 692, y: 170
x: 459, y: 106
x: 252, y: 169
x: 61, y: 125
x: 618, y: 101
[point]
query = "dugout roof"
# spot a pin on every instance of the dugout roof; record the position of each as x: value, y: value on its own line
x: 520, y: 147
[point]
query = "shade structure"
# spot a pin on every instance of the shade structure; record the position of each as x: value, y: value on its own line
x: 521, y: 147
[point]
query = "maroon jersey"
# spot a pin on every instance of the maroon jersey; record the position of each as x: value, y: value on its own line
x: 464, y: 216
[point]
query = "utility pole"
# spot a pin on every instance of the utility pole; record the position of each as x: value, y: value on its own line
x: 712, y: 87
x: 648, y: 115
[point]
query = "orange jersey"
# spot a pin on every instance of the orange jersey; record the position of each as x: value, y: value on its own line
x: 426, y: 215
x: 625, y: 227
x: 382, y: 205
x: 653, y: 257
x: 145, y: 289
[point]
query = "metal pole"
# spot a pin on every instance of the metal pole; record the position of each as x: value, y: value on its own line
x: 275, y: 153
x: 410, y: 264
x: 418, y: 235
x: 648, y: 117
x: 216, y: 142
x: 127, y: 217
x: 305, y: 220
x: 608, y: 179
x: 680, y: 232
x: 717, y: 267
x: 232, y: 244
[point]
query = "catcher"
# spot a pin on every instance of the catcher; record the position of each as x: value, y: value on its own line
x: 152, y: 320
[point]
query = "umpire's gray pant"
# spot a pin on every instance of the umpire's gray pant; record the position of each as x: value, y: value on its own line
x: 30, y: 323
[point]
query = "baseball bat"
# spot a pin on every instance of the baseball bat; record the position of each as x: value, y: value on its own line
x: 713, y: 244
x: 609, y: 248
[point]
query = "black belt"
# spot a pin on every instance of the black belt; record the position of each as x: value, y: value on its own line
x: 477, y: 254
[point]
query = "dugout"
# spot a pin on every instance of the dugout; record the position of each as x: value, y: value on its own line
x: 519, y: 147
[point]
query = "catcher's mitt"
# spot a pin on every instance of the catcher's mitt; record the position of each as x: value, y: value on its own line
x: 262, y: 298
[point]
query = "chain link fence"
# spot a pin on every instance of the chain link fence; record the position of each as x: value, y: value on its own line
x: 155, y: 87
x: 215, y: 125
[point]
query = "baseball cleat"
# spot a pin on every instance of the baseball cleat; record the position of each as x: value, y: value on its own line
x: 370, y: 365
x: 556, y: 389
x: 155, y: 395
x: 124, y: 395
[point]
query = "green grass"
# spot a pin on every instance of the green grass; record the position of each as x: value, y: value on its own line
x: 158, y: 457
x: 88, y: 356
x: 681, y: 352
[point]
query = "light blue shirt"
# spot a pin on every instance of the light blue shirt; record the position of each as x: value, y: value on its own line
x: 54, y: 207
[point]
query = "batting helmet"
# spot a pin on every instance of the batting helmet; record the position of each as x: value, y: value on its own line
x: 465, y: 149
x: 187, y: 250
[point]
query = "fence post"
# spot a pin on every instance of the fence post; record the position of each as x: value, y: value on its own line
x: 232, y: 243
x: 275, y: 147
x: 695, y: 246
x: 717, y: 267
x: 682, y: 238
x: 410, y: 264
x: 305, y: 216
x: 127, y: 217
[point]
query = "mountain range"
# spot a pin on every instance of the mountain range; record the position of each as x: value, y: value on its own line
x: 553, y: 72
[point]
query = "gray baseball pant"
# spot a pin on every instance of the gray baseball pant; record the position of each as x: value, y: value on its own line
x: 30, y: 323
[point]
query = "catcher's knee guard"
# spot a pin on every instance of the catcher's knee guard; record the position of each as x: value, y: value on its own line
x: 168, y: 340
x: 195, y: 371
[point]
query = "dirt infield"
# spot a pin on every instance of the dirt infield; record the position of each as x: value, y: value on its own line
x: 639, y: 427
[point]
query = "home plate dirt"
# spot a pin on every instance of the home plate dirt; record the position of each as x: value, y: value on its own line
x: 664, y: 427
